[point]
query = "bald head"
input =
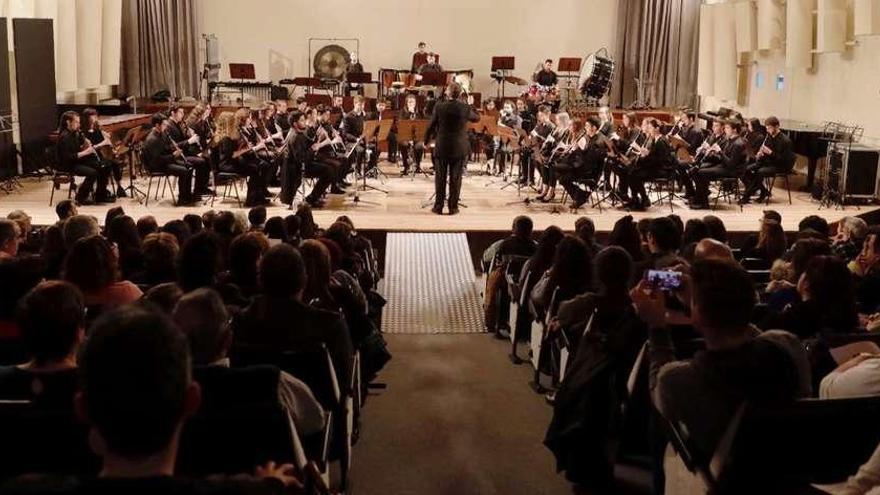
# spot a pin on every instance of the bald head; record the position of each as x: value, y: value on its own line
x: 710, y: 249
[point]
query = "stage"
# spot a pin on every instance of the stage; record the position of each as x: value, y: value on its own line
x: 490, y: 208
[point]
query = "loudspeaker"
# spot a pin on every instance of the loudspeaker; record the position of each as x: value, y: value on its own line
x: 35, y: 86
x: 858, y: 169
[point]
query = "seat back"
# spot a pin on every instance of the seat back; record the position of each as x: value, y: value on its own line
x: 808, y: 441
x: 754, y: 264
x: 223, y: 387
x: 236, y: 438
x: 43, y: 440
x: 47, y: 390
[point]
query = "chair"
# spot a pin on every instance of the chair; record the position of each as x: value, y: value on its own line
x: 59, y: 176
x: 225, y: 179
x: 770, y: 182
x: 314, y: 367
x: 728, y: 188
x: 755, y: 264
x: 40, y: 440
x: 537, y: 341
x: 664, y: 187
x: 518, y: 313
x: 54, y: 389
x: 163, y: 179
x: 808, y: 441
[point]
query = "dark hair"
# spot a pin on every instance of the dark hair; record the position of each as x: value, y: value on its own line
x: 572, y: 267
x: 65, y: 119
x: 112, y: 213
x: 65, y: 208
x: 18, y: 276
x: 614, y: 267
x: 695, y: 230
x: 832, y: 289
x: 724, y: 293
x: 199, y: 261
x: 91, y: 264
x: 276, y: 229
x: 202, y: 317
x: 224, y: 223
x: 341, y: 234
x: 179, y: 229
x: 626, y: 235
x: 804, y: 250
x: 257, y: 216
x: 548, y: 60
x: 194, y: 222
x: 666, y: 234
x: 123, y: 231
x: 244, y: 256
x: 772, y: 239
x: 816, y: 223
x: 8, y: 230
x: 546, y: 250
x: 316, y: 258
x: 157, y: 119
x: 735, y: 124
x: 523, y: 226
x: 282, y: 271
x: 147, y: 225
x: 135, y: 372
x: 771, y: 121
x: 291, y: 224
x: 716, y: 227
x: 164, y: 296
x: 594, y: 121
x: 160, y: 252
x: 49, y: 317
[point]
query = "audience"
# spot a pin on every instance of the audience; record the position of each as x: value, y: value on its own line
x: 626, y: 235
x: 93, y: 266
x: 571, y: 274
x: 10, y: 237
x: 257, y: 218
x: 279, y: 320
x: 519, y: 244
x: 771, y: 243
x: 204, y: 319
x: 122, y: 231
x: 244, y: 256
x: 850, y: 237
x: 159, y: 252
x: 866, y: 271
x: 147, y: 225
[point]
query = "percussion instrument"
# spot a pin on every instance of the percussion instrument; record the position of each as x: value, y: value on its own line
x: 541, y: 93
x: 596, y: 76
x: 516, y: 80
x: 331, y: 62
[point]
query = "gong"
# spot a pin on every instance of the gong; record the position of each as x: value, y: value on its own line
x: 331, y: 61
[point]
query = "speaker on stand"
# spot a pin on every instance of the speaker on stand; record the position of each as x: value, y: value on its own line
x: 852, y: 174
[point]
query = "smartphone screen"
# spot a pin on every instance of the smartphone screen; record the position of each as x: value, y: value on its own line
x: 664, y: 279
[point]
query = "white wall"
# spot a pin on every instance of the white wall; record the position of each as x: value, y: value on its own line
x: 273, y: 34
x: 840, y: 87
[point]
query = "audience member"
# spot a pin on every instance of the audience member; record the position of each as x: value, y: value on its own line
x: 292, y: 225
x: 570, y: 275
x: 122, y: 231
x: 203, y: 318
x: 771, y: 243
x: 26, y: 242
x: 713, y: 249
x: 308, y: 229
x: 276, y: 230
x: 816, y: 224
x: 716, y: 227
x: 159, y: 253
x: 79, y: 227
x: 857, y: 377
x: 194, y: 222
x: 93, y: 266
x: 10, y: 237
x: 164, y: 296
x: 626, y: 235
x: 179, y: 229
x: 147, y: 225
x: 279, y: 319
x: 244, y: 257
x: 65, y: 209
x: 535, y: 267
x: 18, y: 276
x: 257, y: 218
x: 695, y: 230
x: 866, y: 270
x: 662, y: 241
x: 850, y: 237
x: 586, y: 230
x: 116, y: 211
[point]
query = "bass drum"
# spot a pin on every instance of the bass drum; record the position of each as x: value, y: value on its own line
x: 596, y: 75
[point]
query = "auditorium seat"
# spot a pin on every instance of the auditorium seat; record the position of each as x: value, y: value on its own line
x: 47, y: 389
x: 783, y: 449
x: 519, y: 313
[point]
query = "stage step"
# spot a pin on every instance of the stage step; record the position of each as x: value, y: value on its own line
x: 430, y: 285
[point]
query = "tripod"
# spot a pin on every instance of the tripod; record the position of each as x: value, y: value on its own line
x: 132, y: 189
x: 361, y: 174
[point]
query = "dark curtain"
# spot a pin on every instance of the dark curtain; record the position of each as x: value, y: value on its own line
x: 656, y: 43
x: 159, y: 47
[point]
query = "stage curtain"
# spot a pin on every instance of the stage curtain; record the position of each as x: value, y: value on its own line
x: 159, y: 47
x: 657, y: 42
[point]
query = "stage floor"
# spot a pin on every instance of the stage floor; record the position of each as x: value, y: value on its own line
x: 489, y: 207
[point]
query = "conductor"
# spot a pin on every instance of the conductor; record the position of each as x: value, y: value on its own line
x: 449, y: 125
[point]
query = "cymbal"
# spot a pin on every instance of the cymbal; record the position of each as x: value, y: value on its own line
x: 516, y: 80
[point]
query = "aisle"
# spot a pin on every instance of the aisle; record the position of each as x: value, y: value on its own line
x: 430, y: 285
x: 457, y: 418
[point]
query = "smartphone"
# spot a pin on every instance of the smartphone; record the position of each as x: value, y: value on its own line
x: 664, y: 279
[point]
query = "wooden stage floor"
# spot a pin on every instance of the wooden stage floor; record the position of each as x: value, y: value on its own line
x: 489, y: 207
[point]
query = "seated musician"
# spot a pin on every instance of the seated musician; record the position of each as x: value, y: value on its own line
x: 526, y: 167
x: 420, y: 57
x: 76, y: 155
x: 188, y: 142
x: 336, y: 109
x: 101, y: 140
x: 606, y: 121
x: 355, y: 67
x: 731, y: 163
x: 250, y: 158
x: 161, y: 155
x: 584, y: 162
x: 352, y: 129
x: 201, y: 122
x: 706, y: 154
x: 546, y: 76
x: 430, y: 66
x: 654, y: 160
x: 560, y: 137
x: 302, y: 159
x: 411, y: 145
x: 754, y: 137
x: 503, y: 147
x: 302, y: 104
x: 629, y: 133
x: 688, y: 132
x: 270, y: 123
x: 542, y: 129
x: 282, y: 120
x: 391, y: 140
x: 775, y: 156
x: 328, y: 147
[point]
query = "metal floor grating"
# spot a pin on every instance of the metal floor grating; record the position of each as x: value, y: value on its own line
x: 430, y: 285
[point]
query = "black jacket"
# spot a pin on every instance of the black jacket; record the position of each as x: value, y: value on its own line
x: 734, y: 155
x: 449, y: 124
x: 158, y: 152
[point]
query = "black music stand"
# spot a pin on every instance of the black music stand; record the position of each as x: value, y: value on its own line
x: 371, y: 127
x: 436, y: 79
x: 572, y: 66
x: 242, y: 72
x: 502, y: 65
x: 413, y: 130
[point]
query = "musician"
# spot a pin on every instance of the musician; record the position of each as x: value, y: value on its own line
x: 731, y: 163
x: 606, y: 121
x: 754, y: 137
x: 546, y: 76
x: 303, y: 105
x: 391, y: 141
x: 161, y: 155
x: 352, y: 128
x: 101, y: 141
x: 410, y: 111
x: 560, y: 137
x: 76, y: 155
x: 420, y: 57
x: 188, y: 142
x: 775, y: 156
x: 504, y: 148
x: 627, y: 134
x: 449, y: 125
x: 252, y: 158
x: 337, y: 112
x: 655, y: 157
x: 355, y: 67
x: 282, y: 119
x: 328, y: 147
x: 583, y: 162
x: 542, y: 129
x: 202, y: 123
x: 687, y: 131
x: 430, y: 66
